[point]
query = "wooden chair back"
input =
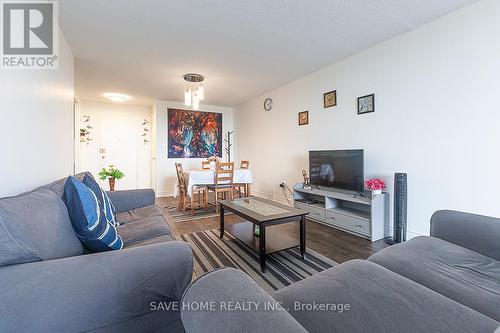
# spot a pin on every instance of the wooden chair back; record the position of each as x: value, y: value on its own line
x: 180, y: 176
x: 244, y: 164
x: 205, y: 165
x: 224, y: 173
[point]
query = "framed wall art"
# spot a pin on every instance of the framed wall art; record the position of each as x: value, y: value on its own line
x: 366, y: 104
x: 330, y: 99
x: 303, y: 118
x: 194, y: 134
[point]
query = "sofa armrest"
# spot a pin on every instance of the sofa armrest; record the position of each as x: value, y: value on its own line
x: 130, y: 199
x: 474, y: 232
x: 232, y: 302
x: 92, y: 291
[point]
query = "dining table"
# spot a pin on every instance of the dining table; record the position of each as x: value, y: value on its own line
x: 202, y: 177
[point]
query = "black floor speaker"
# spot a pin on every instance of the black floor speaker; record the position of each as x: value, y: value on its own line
x: 400, y: 208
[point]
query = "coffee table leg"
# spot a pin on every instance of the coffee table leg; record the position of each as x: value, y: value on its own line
x: 303, y: 236
x: 221, y: 228
x: 262, y: 248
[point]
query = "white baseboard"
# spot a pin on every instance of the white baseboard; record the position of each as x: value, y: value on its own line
x: 164, y: 194
x: 409, y: 234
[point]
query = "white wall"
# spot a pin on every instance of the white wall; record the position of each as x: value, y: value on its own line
x: 90, y: 158
x: 165, y: 168
x: 437, y: 117
x: 36, y: 125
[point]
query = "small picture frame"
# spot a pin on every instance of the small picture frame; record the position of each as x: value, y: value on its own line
x: 366, y: 104
x: 330, y: 99
x: 303, y: 118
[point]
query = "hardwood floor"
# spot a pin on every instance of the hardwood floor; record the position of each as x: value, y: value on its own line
x: 332, y: 243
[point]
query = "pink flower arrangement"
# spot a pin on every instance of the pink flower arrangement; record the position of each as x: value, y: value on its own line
x: 375, y: 184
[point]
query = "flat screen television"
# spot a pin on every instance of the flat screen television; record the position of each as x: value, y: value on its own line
x: 341, y: 169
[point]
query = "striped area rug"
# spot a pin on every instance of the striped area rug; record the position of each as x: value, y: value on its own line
x: 177, y: 216
x: 283, y: 268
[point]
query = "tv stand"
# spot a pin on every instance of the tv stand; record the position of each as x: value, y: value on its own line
x: 359, y: 214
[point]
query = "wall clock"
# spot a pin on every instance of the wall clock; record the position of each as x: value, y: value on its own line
x: 268, y: 104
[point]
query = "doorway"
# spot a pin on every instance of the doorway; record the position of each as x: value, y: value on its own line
x: 116, y: 135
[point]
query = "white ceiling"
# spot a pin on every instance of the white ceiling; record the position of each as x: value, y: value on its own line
x: 244, y: 48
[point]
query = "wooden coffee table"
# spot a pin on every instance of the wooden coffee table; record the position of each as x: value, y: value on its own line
x: 264, y: 213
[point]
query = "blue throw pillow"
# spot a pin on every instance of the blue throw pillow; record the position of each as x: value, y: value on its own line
x: 104, y: 201
x: 88, y: 219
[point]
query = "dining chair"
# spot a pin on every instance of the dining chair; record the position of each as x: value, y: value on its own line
x: 241, y: 188
x: 205, y: 165
x: 223, y: 182
x: 180, y: 184
x: 197, y: 190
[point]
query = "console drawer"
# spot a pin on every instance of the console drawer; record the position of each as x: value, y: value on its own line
x: 348, y: 222
x: 315, y: 212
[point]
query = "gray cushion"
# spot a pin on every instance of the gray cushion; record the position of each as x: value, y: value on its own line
x: 453, y: 271
x: 58, y: 186
x: 35, y: 226
x: 226, y: 286
x: 380, y: 301
x: 475, y: 232
x: 154, y: 240
x: 153, y: 322
x: 88, y: 292
x: 139, y: 232
x: 139, y: 214
x: 130, y: 199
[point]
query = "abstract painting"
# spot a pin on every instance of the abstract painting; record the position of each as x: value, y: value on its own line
x: 194, y: 134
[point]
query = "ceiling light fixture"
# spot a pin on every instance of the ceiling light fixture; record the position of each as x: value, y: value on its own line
x: 116, y: 97
x: 194, y: 92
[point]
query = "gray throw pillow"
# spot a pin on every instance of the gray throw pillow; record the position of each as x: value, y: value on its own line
x: 35, y: 226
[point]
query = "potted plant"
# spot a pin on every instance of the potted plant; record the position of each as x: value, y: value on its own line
x: 112, y: 174
x: 376, y: 185
x: 83, y: 134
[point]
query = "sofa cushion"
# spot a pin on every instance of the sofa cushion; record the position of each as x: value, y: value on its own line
x: 142, y: 231
x: 138, y: 214
x: 465, y: 276
x: 149, y: 241
x: 103, y: 199
x: 88, y: 219
x: 35, y: 226
x: 379, y: 301
x: 58, y: 186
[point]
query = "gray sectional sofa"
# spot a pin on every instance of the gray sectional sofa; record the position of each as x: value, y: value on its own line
x: 448, y: 282
x: 49, y: 283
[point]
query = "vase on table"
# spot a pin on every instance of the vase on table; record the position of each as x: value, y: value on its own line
x: 112, y: 183
x: 376, y: 192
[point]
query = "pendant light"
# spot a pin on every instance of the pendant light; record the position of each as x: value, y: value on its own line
x: 194, y: 92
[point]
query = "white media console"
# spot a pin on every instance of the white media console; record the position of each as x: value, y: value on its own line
x: 364, y: 216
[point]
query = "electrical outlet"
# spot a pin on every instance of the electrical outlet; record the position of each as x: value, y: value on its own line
x: 282, y: 184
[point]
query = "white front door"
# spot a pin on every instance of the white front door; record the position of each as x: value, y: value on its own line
x: 118, y: 144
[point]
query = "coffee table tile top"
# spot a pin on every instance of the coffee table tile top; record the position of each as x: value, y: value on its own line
x: 260, y: 207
